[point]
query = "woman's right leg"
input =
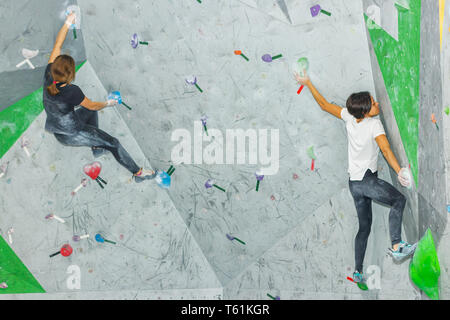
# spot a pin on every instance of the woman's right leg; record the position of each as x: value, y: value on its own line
x: 91, y: 136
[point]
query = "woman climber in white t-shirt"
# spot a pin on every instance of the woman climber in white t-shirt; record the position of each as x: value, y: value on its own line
x: 366, y: 137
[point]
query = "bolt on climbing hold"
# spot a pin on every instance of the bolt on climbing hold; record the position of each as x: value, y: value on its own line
x: 24, y: 143
x: 163, y: 179
x: 77, y: 238
x: 3, y: 169
x: 192, y: 80
x: 239, y: 53
x: 28, y: 54
x: 210, y: 183
x: 203, y: 119
x: 268, y: 58
x: 231, y: 238
x: 135, y: 41
x: 10, y: 232
x: 447, y: 111
x: 274, y: 298
x: 84, y: 183
x: 433, y: 119
x: 99, y: 238
x: 259, y: 178
x: 316, y: 9
x: 93, y: 171
x: 3, y: 285
x: 115, y: 95
x: 311, y: 154
x: 66, y: 250
x: 51, y: 216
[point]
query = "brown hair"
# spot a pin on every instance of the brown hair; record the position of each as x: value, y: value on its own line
x: 62, y: 70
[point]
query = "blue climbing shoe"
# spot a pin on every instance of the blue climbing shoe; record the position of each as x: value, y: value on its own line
x: 405, y: 250
x: 358, y: 277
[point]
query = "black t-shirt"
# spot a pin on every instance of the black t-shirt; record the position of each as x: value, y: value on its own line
x: 60, y: 109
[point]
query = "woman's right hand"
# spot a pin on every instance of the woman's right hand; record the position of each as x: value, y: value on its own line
x: 111, y: 103
x: 303, y: 80
x: 71, y: 18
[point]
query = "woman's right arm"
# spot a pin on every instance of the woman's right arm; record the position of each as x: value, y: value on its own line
x: 331, y: 108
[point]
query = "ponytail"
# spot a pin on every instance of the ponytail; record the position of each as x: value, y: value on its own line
x: 62, y: 70
x: 52, y: 89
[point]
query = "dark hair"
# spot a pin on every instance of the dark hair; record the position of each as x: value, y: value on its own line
x: 62, y: 70
x: 359, y: 104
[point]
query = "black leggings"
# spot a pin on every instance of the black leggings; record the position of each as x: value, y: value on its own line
x: 92, y: 136
x: 363, y: 192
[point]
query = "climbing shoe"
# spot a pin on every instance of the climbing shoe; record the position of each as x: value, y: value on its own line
x: 144, y: 174
x: 404, y: 250
x: 358, y: 277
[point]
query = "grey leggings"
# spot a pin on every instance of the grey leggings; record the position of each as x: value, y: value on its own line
x: 363, y: 192
x: 92, y: 136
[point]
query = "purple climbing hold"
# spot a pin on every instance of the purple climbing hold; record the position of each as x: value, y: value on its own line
x: 134, y: 41
x: 315, y: 10
x: 267, y: 58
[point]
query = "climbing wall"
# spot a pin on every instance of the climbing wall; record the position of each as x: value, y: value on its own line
x: 297, y: 229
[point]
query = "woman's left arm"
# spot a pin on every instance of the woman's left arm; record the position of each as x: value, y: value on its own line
x: 61, y: 37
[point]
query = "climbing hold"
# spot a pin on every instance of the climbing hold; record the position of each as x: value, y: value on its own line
x: 84, y: 183
x: 424, y: 269
x: 203, y: 119
x: 193, y: 81
x: 295, y: 176
x: 93, y: 171
x: 231, y: 238
x: 24, y: 143
x: 447, y: 111
x: 269, y: 58
x: 3, y: 169
x: 239, y: 53
x: 65, y: 251
x: 163, y: 179
x: 310, y: 152
x: 259, y: 178
x: 316, y: 9
x: 433, y: 119
x: 135, y: 41
x: 273, y: 298
x: 3, y: 285
x: 28, y: 54
x: 115, y: 95
x: 78, y: 238
x: 210, y: 183
x: 51, y: 216
x: 99, y: 238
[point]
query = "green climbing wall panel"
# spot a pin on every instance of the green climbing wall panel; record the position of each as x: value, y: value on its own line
x: 424, y: 269
x: 15, y: 119
x: 399, y: 62
x: 15, y: 274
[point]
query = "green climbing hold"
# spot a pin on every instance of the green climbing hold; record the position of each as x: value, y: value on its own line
x: 310, y: 152
x: 362, y: 286
x: 424, y: 269
x: 447, y: 111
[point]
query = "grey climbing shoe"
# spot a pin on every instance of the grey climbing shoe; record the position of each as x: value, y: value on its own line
x: 145, y: 175
x: 405, y: 250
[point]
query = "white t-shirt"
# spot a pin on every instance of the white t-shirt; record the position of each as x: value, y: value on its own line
x: 363, y: 150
